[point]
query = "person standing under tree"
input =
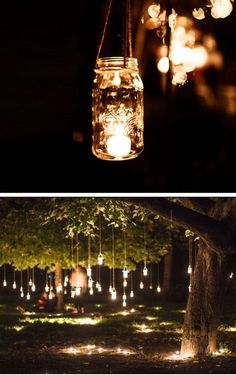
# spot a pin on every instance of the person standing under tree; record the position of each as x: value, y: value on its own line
x: 78, y: 282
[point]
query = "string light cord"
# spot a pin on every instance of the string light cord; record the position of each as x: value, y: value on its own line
x: 127, y: 30
x: 108, y: 12
x: 113, y: 257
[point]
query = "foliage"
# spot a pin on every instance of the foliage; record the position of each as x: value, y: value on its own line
x: 43, y: 231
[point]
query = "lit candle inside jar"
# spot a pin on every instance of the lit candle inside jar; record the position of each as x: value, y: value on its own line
x: 118, y: 145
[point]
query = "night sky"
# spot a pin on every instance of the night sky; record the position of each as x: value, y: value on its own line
x: 47, y: 56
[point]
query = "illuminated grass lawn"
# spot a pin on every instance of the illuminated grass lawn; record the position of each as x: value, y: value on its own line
x: 107, y: 333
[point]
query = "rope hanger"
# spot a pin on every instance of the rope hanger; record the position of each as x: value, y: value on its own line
x: 127, y: 30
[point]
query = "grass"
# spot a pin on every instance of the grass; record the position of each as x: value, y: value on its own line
x: 146, y: 333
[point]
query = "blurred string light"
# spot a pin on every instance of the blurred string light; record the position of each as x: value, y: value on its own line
x: 150, y: 273
x: 186, y: 53
x: 4, y: 276
x: 131, y: 285
x: 46, y: 283
x: 100, y: 256
x: 14, y: 279
x: 113, y: 292
x: 28, y: 284
x: 125, y: 273
x: 145, y: 270
x: 217, y: 8
x: 117, y: 112
x: 33, y: 286
x: 141, y: 284
x: 21, y: 284
x: 158, y: 278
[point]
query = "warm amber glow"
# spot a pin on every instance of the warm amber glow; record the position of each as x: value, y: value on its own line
x: 4, y: 282
x: 221, y: 8
x: 145, y: 271
x: 113, y: 294
x: 14, y: 285
x: 118, y: 145
x: 163, y: 65
x: 100, y: 259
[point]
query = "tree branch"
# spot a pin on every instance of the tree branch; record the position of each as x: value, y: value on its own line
x: 210, y: 230
x: 202, y: 205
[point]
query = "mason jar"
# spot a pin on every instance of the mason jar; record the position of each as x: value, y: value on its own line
x: 117, y: 109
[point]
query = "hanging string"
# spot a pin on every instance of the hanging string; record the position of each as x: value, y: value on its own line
x: 125, y: 250
x: 129, y: 28
x: 72, y: 251
x: 127, y: 34
x: 150, y: 277
x: 89, y: 251
x: 108, y: 12
x: 190, y: 255
x: 21, y: 284
x: 4, y: 275
x: 113, y: 256
x: 14, y: 278
x: 100, y: 234
x: 77, y: 248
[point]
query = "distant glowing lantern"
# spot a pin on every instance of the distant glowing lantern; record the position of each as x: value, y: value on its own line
x: 125, y: 272
x: 124, y: 303
x: 145, y: 271
x: 141, y: 285
x: 110, y: 289
x: 189, y: 270
x: 158, y: 289
x: 77, y: 291
x: 113, y: 294
x: 50, y: 296
x: 100, y: 259
x: 125, y: 283
x: 28, y: 296
x: 131, y: 294
x: 30, y: 282
x: 59, y: 288
x: 4, y: 282
x: 89, y: 272
x: 14, y: 285
x: 47, y: 288
x: 117, y: 112
x: 90, y: 282
x: 33, y: 288
x: 99, y: 288
x: 91, y: 291
x: 163, y: 64
x: 22, y: 294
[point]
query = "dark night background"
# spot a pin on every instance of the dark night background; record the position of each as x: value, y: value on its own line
x: 47, y: 55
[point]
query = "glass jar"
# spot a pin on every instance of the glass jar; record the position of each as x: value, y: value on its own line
x: 117, y: 109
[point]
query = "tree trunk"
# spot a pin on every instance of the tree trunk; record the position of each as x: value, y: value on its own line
x: 59, y: 287
x: 203, y: 308
x: 168, y: 267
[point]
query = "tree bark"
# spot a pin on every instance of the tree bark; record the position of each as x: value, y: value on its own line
x: 203, y: 308
x: 58, y: 283
x: 168, y: 267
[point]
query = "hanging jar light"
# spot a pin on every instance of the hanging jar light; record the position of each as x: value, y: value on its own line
x: 131, y: 285
x: 14, y: 279
x: 100, y: 259
x: 28, y: 284
x: 33, y: 287
x: 125, y: 283
x: 30, y: 279
x: 150, y: 286
x: 158, y: 278
x: 4, y: 276
x: 113, y: 292
x: 117, y: 110
x: 145, y: 270
x: 46, y: 283
x: 21, y: 284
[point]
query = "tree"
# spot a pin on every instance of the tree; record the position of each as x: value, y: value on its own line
x: 213, y: 220
x: 46, y: 229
